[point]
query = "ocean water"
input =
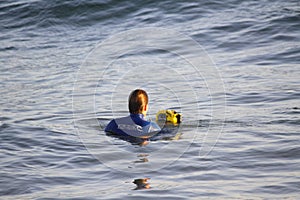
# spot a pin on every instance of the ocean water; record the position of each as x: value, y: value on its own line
x: 231, y: 68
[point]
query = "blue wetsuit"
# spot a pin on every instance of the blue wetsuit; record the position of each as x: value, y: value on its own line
x: 133, y: 125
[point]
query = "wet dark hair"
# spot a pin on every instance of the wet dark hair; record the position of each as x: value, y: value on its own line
x: 137, y: 100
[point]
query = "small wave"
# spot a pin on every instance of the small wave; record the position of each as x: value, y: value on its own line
x: 43, y: 14
x: 260, y: 98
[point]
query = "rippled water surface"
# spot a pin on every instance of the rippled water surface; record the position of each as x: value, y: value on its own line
x: 231, y: 68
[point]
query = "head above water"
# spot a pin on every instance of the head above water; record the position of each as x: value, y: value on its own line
x: 138, y: 102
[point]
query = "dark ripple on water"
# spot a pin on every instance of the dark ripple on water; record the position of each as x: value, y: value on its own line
x: 255, y: 45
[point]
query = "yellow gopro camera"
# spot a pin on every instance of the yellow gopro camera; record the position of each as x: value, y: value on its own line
x: 170, y: 116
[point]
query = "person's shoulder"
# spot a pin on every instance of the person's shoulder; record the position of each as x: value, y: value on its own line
x: 118, y: 120
x: 125, y: 119
x: 113, y: 124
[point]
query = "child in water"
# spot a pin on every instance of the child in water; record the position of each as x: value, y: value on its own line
x: 135, y: 124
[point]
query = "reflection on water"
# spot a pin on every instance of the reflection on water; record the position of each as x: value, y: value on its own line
x: 142, y: 184
x: 142, y: 158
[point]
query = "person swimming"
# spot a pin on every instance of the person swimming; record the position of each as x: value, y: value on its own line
x: 134, y: 125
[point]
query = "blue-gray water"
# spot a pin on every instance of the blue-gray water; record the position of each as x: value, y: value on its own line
x: 46, y: 127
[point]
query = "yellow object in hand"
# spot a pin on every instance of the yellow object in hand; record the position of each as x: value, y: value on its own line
x: 168, y: 116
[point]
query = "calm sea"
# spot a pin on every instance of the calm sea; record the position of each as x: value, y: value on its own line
x: 230, y: 67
